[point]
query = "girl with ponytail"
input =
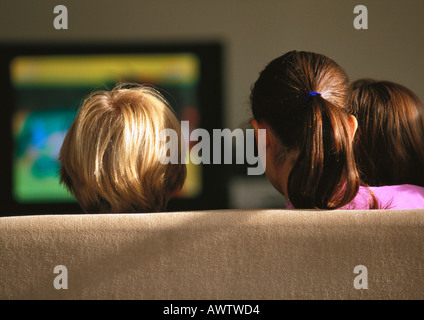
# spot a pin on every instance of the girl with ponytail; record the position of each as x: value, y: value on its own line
x: 301, y: 100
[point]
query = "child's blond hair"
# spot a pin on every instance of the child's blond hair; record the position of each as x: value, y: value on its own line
x: 110, y: 156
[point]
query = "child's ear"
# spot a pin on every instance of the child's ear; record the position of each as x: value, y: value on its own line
x: 260, y: 125
x: 353, y: 124
x: 255, y: 126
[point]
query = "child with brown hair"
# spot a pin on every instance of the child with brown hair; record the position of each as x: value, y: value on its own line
x: 389, y: 143
x: 301, y: 100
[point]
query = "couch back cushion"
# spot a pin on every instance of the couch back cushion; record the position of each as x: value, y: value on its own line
x: 221, y: 254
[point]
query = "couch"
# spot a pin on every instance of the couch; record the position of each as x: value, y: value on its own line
x: 271, y: 254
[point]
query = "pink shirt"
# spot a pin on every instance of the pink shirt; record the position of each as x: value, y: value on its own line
x: 405, y: 196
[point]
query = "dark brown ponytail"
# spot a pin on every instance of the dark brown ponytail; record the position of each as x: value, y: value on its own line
x: 303, y: 97
x: 324, y: 175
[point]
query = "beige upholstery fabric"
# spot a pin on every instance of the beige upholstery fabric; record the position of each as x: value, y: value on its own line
x: 229, y: 254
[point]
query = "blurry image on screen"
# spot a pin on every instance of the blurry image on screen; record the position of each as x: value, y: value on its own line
x: 49, y: 90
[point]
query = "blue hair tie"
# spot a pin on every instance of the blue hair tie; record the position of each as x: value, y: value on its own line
x: 312, y: 94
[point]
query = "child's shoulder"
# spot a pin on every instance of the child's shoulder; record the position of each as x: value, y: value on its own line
x: 404, y: 196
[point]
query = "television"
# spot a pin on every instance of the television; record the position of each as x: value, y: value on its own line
x: 44, y: 84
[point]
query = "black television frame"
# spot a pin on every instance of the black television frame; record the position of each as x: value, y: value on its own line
x: 211, y: 106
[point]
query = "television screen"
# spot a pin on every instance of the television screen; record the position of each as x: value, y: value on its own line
x: 46, y: 85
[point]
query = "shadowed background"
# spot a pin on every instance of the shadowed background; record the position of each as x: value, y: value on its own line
x: 252, y: 33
